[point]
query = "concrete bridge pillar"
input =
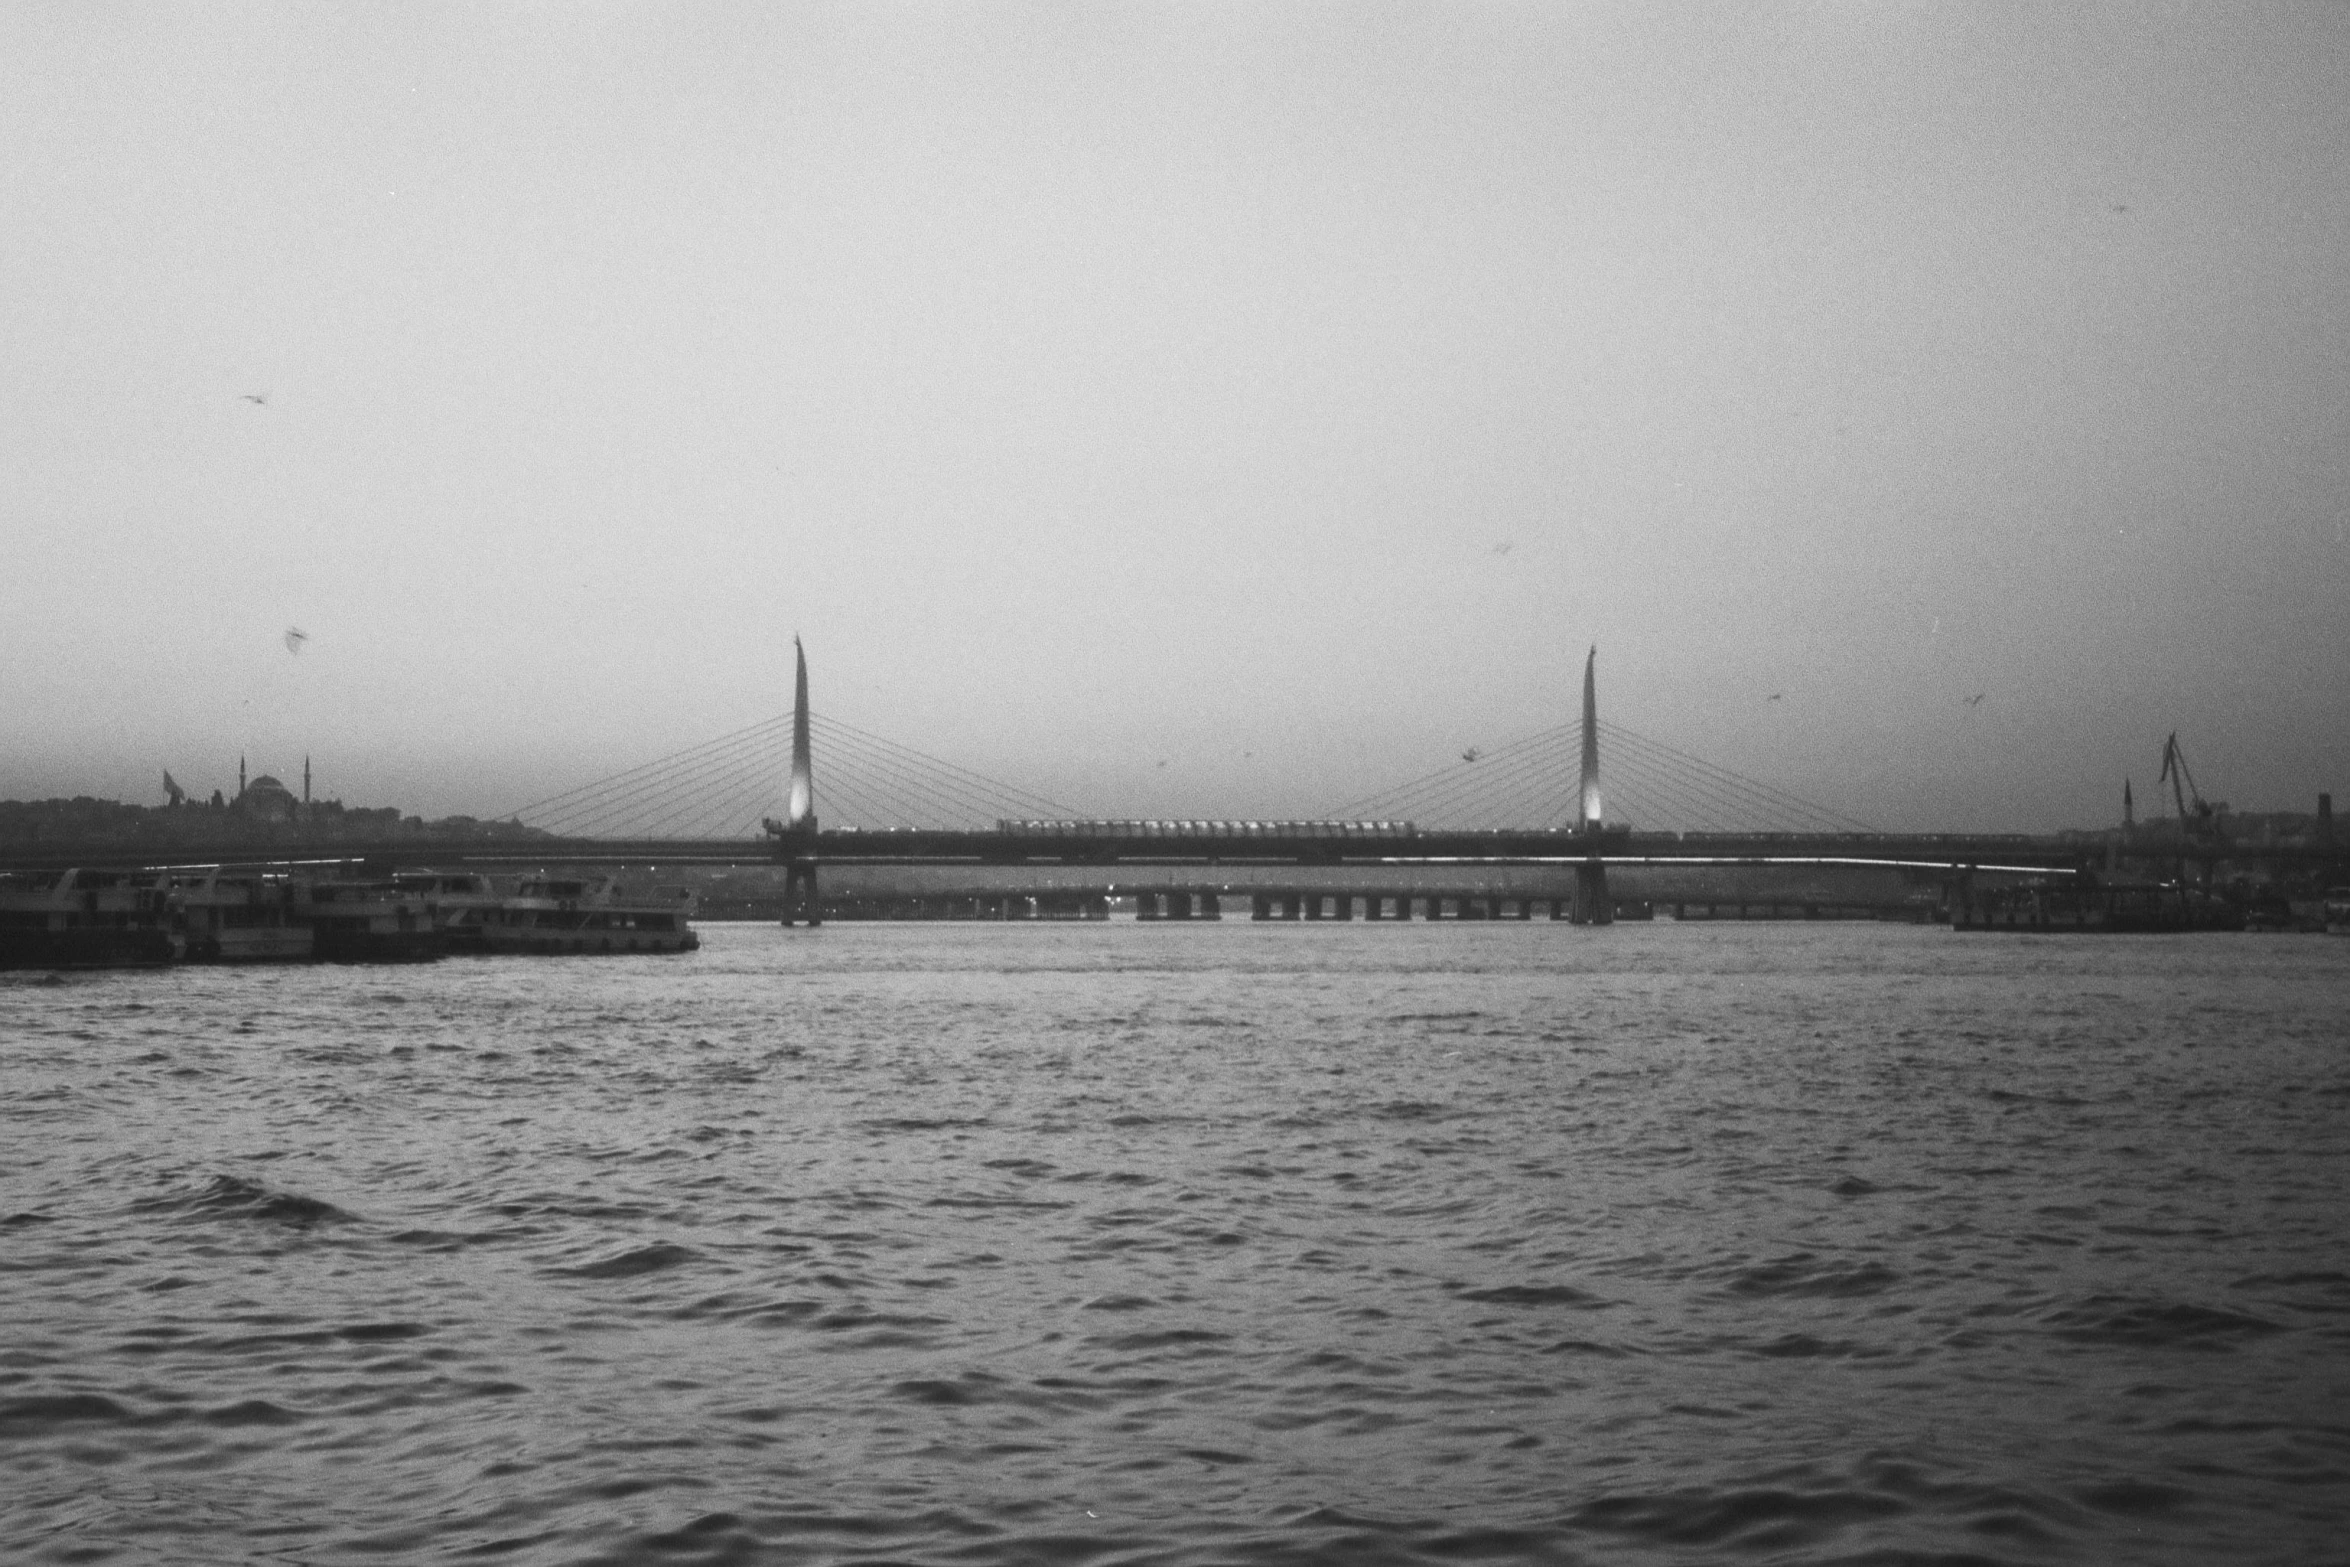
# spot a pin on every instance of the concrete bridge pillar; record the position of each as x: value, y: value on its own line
x: 802, y: 905
x: 1342, y: 906
x: 1593, y: 906
x: 1260, y: 907
x: 1210, y: 907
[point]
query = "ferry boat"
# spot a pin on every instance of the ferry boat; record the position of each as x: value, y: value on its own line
x: 2119, y: 907
x: 591, y: 914
x: 366, y: 922
x: 240, y: 917
x: 86, y: 919
x: 463, y: 905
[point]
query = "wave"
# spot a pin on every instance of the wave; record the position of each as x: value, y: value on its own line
x: 234, y: 1197
x: 1803, y: 1274
x: 1536, y: 1295
x: 42, y: 1413
x: 2133, y: 1320
x: 656, y: 1258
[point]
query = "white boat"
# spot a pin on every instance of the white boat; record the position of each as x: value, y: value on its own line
x: 463, y: 905
x: 86, y: 919
x: 366, y: 922
x: 240, y: 917
x: 591, y: 914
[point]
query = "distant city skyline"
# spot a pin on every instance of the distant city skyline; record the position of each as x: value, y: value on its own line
x: 1180, y: 412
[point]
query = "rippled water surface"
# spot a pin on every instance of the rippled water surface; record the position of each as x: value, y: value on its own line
x: 1191, y: 1244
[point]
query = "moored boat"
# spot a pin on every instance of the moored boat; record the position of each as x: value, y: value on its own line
x: 2095, y: 906
x: 592, y: 914
x: 240, y: 917
x: 366, y: 922
x: 462, y: 904
x: 85, y: 919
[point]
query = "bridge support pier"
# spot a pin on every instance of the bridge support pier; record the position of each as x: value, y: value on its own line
x: 1593, y: 906
x: 801, y: 903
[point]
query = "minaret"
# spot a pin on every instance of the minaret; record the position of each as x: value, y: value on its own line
x: 240, y: 777
x: 305, y: 778
x: 2129, y: 808
x: 1587, y: 812
x: 799, y: 811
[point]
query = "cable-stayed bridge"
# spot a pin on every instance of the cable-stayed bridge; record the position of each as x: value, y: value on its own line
x: 741, y: 783
x: 727, y: 787
x: 1539, y: 801
x: 803, y: 791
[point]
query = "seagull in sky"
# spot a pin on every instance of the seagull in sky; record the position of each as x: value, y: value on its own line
x: 1977, y: 699
x: 1471, y: 754
x: 1504, y: 547
x: 1775, y: 695
x: 257, y: 399
x: 295, y: 637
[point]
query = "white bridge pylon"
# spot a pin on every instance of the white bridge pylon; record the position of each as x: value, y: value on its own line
x: 799, y: 810
x: 1587, y: 811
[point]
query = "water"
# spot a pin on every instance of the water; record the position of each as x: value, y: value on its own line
x: 1191, y: 1244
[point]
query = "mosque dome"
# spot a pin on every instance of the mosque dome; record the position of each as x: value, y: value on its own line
x: 266, y: 797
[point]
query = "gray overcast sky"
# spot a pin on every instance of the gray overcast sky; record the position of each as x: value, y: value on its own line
x: 1097, y: 385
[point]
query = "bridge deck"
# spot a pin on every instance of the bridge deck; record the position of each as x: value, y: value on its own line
x: 926, y: 847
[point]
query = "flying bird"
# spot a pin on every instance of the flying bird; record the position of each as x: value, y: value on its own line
x: 1977, y: 699
x: 1775, y: 695
x: 1504, y: 547
x: 295, y: 637
x: 257, y: 399
x: 1471, y: 754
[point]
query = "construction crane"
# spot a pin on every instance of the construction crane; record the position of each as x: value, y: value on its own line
x: 2196, y: 814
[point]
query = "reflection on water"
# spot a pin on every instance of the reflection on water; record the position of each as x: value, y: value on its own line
x: 1188, y: 1245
